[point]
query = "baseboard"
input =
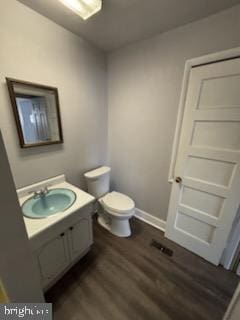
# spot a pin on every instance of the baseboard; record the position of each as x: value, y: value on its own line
x: 148, y: 218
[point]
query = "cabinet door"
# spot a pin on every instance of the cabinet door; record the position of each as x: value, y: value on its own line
x: 53, y: 258
x: 80, y: 237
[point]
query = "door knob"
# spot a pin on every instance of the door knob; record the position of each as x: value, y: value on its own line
x: 178, y: 179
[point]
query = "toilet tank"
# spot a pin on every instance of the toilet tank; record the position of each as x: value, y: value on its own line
x: 98, y: 181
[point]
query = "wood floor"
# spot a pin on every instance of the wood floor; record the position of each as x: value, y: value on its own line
x: 127, y: 279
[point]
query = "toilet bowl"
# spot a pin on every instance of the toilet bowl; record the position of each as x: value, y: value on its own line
x: 114, y: 208
x: 117, y: 209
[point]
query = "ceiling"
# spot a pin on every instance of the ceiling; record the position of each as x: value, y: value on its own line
x: 124, y: 21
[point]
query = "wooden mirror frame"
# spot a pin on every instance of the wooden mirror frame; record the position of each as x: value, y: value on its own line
x: 13, y: 95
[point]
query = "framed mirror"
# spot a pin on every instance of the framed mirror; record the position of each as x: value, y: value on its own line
x: 37, y: 113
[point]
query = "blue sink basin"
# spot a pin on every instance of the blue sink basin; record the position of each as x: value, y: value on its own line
x: 55, y: 201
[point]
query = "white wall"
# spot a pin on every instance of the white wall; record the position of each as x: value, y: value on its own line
x: 18, y: 270
x: 35, y: 49
x: 144, y: 82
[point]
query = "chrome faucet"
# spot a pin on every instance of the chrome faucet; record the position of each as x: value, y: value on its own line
x: 40, y: 193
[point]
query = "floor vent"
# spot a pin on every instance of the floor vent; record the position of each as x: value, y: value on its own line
x: 161, y: 247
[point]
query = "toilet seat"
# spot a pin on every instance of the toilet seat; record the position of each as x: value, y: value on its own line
x: 118, y: 203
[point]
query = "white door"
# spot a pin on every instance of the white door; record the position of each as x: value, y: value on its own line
x: 53, y: 258
x: 205, y: 198
x: 80, y: 237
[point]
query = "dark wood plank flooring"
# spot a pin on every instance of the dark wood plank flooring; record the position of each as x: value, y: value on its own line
x: 127, y: 279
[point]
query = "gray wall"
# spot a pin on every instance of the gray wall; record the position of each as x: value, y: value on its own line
x: 18, y: 270
x: 144, y: 82
x: 35, y: 49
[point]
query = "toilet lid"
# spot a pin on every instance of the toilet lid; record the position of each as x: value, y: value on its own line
x: 118, y: 202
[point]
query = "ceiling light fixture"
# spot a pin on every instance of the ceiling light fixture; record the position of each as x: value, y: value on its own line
x: 84, y: 8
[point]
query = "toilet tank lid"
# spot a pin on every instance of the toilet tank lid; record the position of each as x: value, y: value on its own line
x: 97, y: 172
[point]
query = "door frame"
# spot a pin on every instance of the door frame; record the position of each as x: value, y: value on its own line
x: 234, y: 306
x: 232, y: 253
x: 191, y: 63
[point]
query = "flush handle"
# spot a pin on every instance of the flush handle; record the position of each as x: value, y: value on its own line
x: 178, y: 179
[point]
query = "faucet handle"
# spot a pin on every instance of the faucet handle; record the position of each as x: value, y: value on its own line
x: 45, y: 190
x: 35, y: 193
x: 32, y: 192
x: 39, y: 193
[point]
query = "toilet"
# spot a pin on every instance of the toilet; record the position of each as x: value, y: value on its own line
x: 114, y: 208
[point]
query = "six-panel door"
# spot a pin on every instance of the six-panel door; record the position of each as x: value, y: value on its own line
x: 203, y: 205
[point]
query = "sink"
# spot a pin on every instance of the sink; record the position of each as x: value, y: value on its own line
x: 55, y: 201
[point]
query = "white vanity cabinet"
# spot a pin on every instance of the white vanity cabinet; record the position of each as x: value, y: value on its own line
x: 59, y: 247
x: 53, y: 258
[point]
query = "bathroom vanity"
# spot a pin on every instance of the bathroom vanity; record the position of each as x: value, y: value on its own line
x: 59, y: 240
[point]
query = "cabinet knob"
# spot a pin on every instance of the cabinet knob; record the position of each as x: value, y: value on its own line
x: 62, y: 234
x: 71, y: 228
x: 178, y: 179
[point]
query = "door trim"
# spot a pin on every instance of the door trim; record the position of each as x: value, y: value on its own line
x: 191, y: 63
x: 233, y: 307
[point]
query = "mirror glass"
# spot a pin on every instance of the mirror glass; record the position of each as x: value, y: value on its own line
x: 37, y: 115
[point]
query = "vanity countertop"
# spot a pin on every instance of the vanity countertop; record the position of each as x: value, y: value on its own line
x: 36, y: 226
